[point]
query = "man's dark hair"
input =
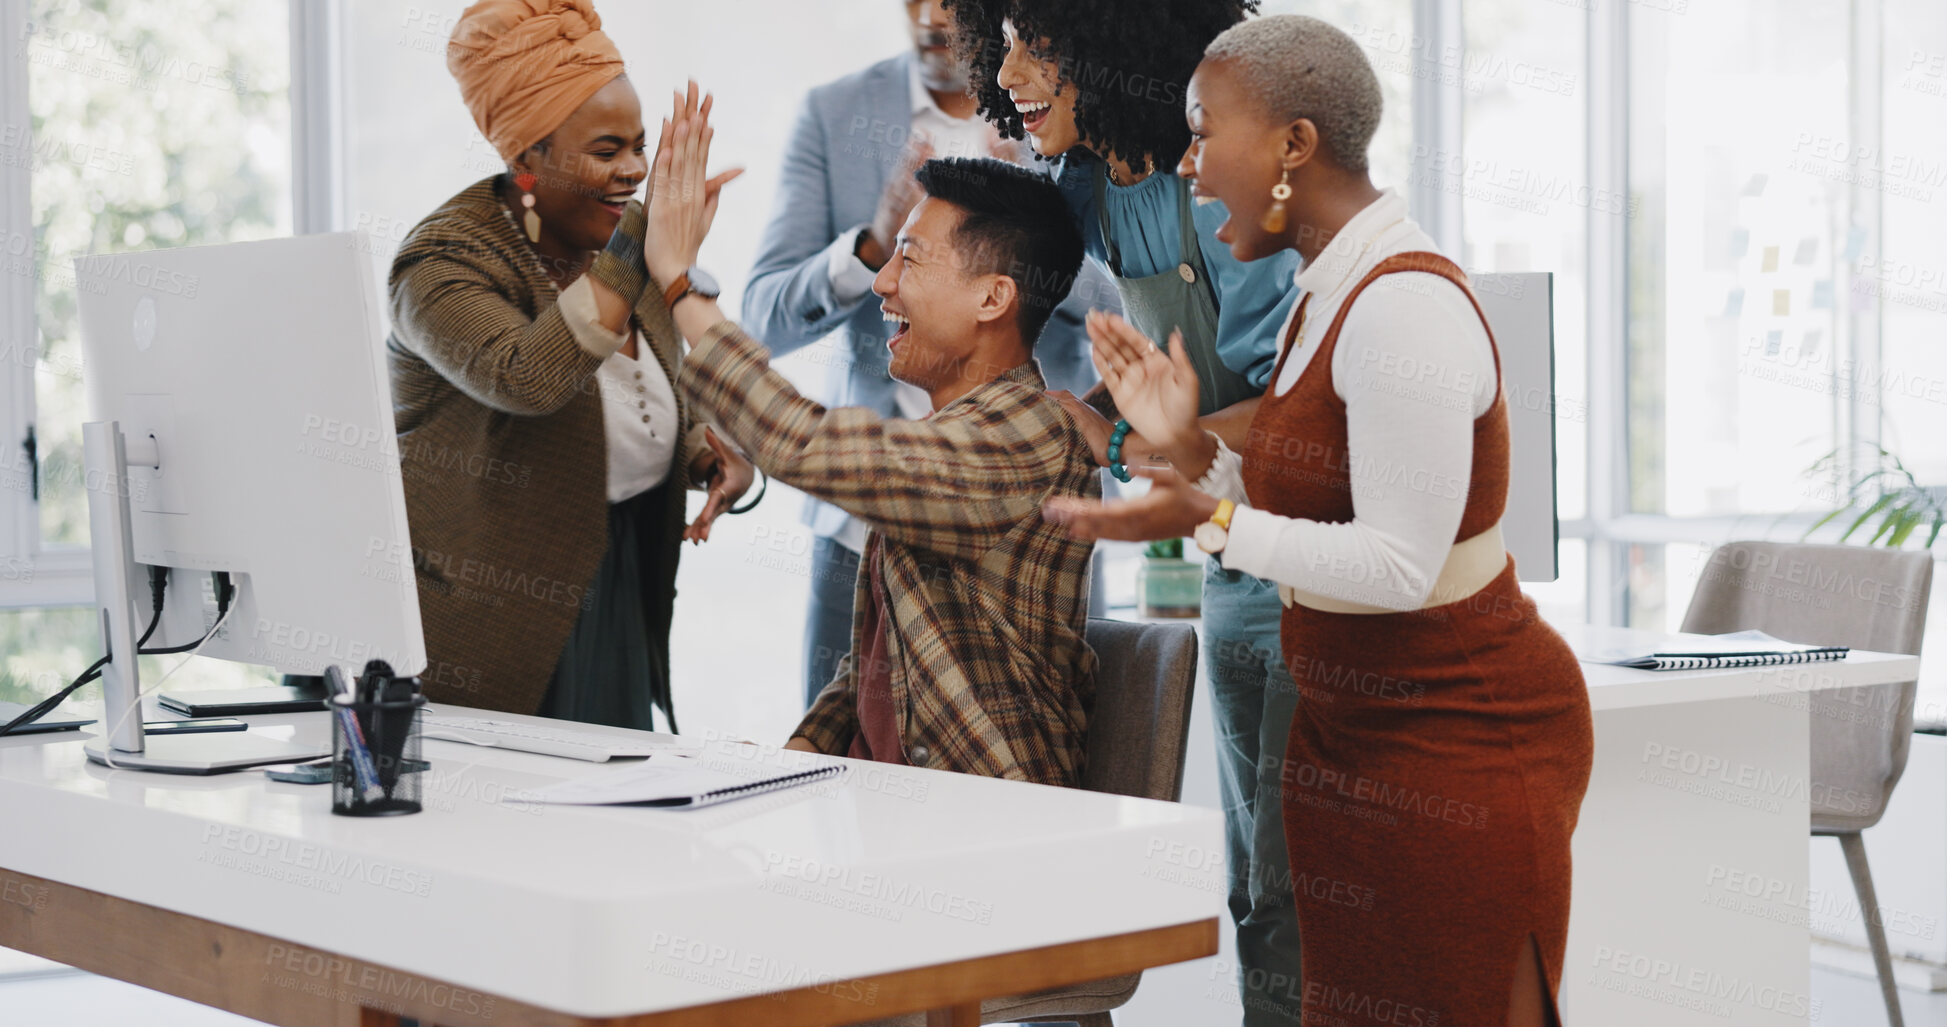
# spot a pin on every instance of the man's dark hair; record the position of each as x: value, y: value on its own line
x: 1013, y: 222
x: 1129, y: 61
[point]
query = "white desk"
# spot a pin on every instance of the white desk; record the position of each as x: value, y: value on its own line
x: 485, y: 909
x: 1661, y: 931
x: 1691, y: 866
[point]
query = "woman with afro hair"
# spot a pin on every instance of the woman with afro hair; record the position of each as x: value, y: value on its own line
x: 1097, y: 87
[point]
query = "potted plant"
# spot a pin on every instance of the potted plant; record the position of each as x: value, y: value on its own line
x: 1167, y: 584
x: 1881, y: 489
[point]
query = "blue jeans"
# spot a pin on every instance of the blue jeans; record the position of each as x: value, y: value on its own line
x: 1253, y: 698
x: 828, y: 621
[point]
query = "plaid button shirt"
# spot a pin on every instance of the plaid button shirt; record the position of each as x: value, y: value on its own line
x: 990, y: 673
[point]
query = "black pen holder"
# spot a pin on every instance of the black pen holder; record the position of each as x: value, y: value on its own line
x: 376, y: 770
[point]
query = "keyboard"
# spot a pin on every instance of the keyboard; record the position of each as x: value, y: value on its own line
x: 545, y: 739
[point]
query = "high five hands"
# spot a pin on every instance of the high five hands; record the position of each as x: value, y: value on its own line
x: 682, y: 204
x: 1157, y: 393
x: 683, y: 196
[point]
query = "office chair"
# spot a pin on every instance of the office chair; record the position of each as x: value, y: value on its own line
x: 1138, y: 731
x: 1773, y: 587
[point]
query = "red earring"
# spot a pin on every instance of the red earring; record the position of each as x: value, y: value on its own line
x: 530, y: 220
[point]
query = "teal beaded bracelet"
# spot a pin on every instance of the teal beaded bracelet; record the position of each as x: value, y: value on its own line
x: 1116, y: 467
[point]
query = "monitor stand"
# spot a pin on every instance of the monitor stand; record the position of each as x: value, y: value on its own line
x: 212, y: 753
x: 106, y: 456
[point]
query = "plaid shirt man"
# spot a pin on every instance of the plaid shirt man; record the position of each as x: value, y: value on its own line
x: 987, y: 603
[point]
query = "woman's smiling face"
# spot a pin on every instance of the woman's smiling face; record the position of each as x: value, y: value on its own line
x: 586, y: 170
x: 1233, y: 157
x: 1046, y: 103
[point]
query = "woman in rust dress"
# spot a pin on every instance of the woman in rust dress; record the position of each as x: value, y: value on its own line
x: 1442, y: 741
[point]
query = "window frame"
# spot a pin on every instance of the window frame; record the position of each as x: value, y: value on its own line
x: 1611, y: 527
x: 57, y: 574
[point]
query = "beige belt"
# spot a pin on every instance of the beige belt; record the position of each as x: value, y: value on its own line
x: 1470, y: 566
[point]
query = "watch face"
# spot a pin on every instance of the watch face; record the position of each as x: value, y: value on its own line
x: 702, y: 284
x: 1210, y: 538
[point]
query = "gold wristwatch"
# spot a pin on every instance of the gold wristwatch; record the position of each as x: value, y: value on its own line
x: 1214, y: 534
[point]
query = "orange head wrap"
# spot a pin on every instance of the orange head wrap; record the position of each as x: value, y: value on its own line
x: 524, y: 66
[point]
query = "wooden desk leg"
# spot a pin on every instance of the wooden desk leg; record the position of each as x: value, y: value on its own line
x: 955, y: 1016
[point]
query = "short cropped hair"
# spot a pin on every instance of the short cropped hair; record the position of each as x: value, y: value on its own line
x: 1300, y: 67
x: 1013, y: 222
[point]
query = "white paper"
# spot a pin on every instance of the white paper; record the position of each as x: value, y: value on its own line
x: 1747, y: 641
x: 657, y: 778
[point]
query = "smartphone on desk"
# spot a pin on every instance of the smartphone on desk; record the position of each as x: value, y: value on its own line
x: 316, y: 772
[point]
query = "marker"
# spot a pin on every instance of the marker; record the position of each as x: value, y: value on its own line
x: 365, y: 775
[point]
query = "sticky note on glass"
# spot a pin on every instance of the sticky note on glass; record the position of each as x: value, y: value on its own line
x: 1781, y: 302
x: 1740, y: 242
x: 1770, y: 260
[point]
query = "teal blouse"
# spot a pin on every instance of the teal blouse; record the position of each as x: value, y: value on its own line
x: 1252, y: 299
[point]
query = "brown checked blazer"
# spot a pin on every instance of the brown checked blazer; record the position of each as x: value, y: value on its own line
x: 504, y: 459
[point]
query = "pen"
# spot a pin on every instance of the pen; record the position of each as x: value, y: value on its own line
x: 365, y: 776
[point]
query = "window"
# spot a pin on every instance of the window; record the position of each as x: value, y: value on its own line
x: 1785, y: 245
x: 1739, y: 163
x: 1522, y: 182
x: 1399, y: 52
x: 44, y: 649
x: 1909, y: 276
x: 128, y: 126
x: 146, y: 128
x: 1565, y: 600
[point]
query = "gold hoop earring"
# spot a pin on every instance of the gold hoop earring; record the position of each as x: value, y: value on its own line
x: 1273, y: 221
x: 530, y: 220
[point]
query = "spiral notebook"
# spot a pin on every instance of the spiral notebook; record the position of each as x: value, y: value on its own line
x: 673, y: 782
x: 1715, y: 652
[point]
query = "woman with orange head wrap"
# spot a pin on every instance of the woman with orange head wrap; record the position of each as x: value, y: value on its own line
x: 544, y: 452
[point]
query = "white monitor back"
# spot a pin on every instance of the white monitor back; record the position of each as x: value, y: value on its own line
x: 260, y: 371
x: 1520, y: 309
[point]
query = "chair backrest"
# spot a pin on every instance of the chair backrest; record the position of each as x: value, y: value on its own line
x: 1854, y: 596
x: 1139, y: 728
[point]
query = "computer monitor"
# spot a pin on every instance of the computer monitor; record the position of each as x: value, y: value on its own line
x: 1520, y: 308
x: 250, y: 389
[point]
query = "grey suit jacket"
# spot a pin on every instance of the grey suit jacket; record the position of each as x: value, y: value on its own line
x: 846, y: 142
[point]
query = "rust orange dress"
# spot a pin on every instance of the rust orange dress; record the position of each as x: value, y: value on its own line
x: 1428, y: 820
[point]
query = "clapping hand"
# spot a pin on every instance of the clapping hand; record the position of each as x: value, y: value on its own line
x: 901, y: 194
x: 1172, y: 508
x: 1156, y: 392
x: 683, y: 197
